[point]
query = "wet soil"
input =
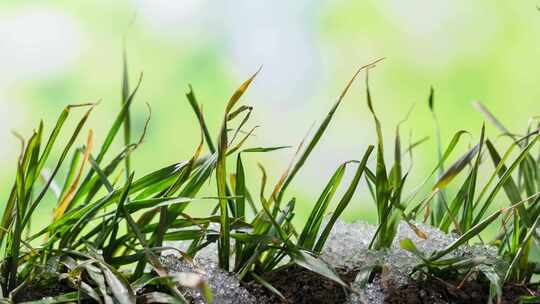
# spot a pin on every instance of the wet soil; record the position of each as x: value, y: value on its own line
x: 31, y: 292
x: 301, y: 286
x: 437, y: 291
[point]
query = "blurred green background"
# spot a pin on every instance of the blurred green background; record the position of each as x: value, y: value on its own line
x: 54, y: 53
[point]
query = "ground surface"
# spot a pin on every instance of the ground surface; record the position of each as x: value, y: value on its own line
x: 39, y: 292
x: 301, y: 286
x: 436, y: 291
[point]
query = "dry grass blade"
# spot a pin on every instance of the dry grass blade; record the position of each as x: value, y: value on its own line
x: 221, y: 176
x: 68, y: 197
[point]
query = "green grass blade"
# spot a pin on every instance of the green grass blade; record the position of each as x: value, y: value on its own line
x: 311, y: 228
x: 127, y: 118
x: 468, y: 207
x: 268, y: 286
x: 319, y: 133
x: 504, y: 179
x: 522, y: 248
x: 344, y: 201
x: 55, y: 132
x: 111, y: 134
x: 64, y: 154
x: 221, y: 177
x: 200, y: 117
x: 438, y: 209
x: 456, y: 168
x: 491, y: 118
x: 453, y: 142
x: 510, y: 187
x: 469, y: 234
x: 240, y: 192
x: 308, y: 261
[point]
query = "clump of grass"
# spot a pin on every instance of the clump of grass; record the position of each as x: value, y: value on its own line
x: 110, y: 225
x: 87, y: 244
x: 467, y: 211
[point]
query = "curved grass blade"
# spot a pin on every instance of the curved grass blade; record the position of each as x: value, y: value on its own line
x: 127, y: 118
x: 504, y: 178
x: 311, y: 228
x: 320, y: 131
x: 63, y: 155
x: 113, y: 131
x: 200, y: 117
x: 308, y: 261
x: 469, y: 234
x: 456, y: 168
x: 468, y: 207
x: 453, y: 142
x: 344, y: 201
x: 268, y: 286
x: 438, y: 209
x: 66, y: 200
x: 221, y: 177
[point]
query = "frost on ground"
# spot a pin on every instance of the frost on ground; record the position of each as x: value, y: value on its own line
x: 225, y: 287
x: 348, y: 244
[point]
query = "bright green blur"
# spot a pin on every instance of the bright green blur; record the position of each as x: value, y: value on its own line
x: 61, y: 52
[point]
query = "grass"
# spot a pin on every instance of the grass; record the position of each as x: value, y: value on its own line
x: 110, y: 224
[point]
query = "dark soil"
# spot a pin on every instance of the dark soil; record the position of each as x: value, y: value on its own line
x: 32, y: 292
x: 437, y: 291
x: 301, y: 286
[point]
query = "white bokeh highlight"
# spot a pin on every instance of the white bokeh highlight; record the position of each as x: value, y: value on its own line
x: 36, y: 43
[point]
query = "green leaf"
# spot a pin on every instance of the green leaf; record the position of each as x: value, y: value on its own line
x: 469, y: 234
x: 504, y: 178
x: 111, y: 134
x: 268, y: 286
x: 200, y: 117
x: 407, y: 244
x: 127, y: 118
x: 304, y: 259
x: 221, y: 178
x: 118, y: 285
x: 265, y: 149
x: 344, y: 201
x: 456, y: 168
x: 311, y: 228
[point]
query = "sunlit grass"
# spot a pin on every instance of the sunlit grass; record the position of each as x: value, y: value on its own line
x: 110, y: 224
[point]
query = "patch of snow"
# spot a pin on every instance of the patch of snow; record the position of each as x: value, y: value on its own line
x: 347, y: 246
x: 225, y: 287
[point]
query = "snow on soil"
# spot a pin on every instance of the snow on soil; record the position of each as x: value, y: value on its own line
x: 347, y: 246
x: 225, y: 287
